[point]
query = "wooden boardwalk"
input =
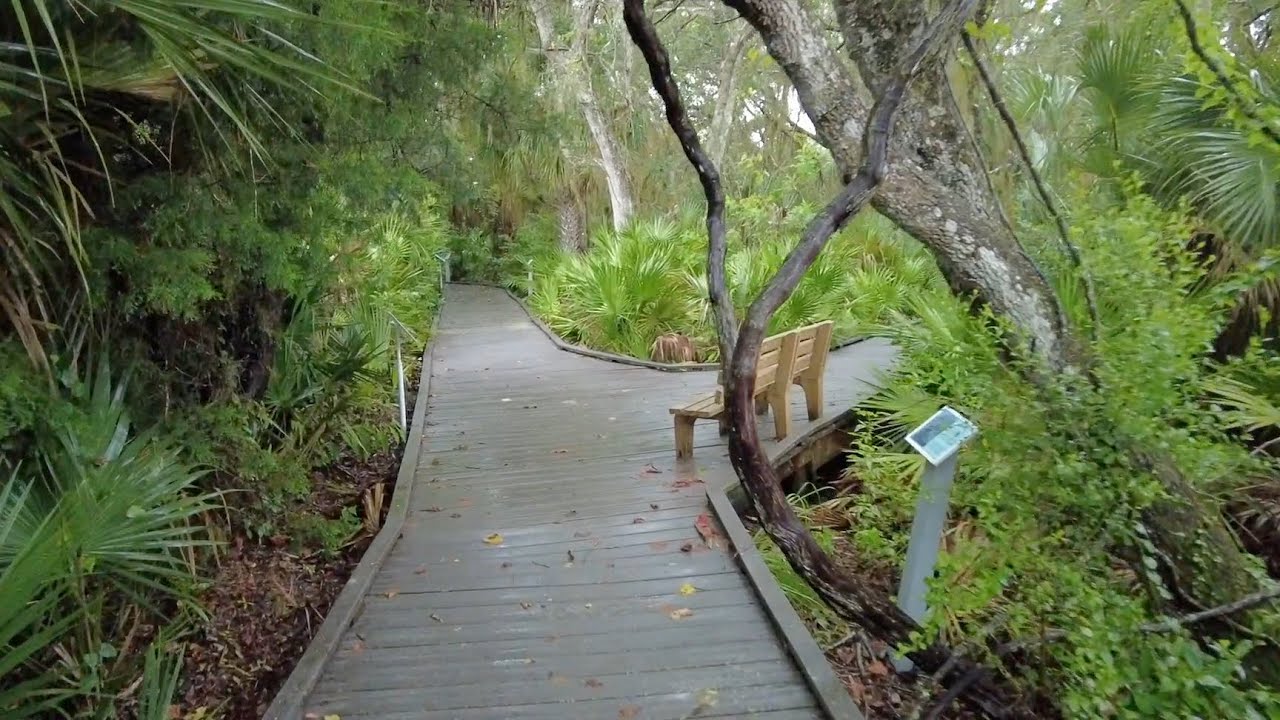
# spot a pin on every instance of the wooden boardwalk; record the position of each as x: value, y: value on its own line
x: 539, y: 570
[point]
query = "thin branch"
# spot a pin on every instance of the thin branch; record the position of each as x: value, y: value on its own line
x: 645, y: 36
x: 1246, y: 106
x: 1248, y: 601
x: 1064, y: 234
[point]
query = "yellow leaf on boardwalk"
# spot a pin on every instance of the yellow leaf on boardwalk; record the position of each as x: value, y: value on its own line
x: 688, y: 589
x: 494, y: 539
x: 332, y: 717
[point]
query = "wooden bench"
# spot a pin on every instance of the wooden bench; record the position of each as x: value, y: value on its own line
x: 796, y: 357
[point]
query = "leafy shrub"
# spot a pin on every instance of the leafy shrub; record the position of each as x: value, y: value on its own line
x: 633, y: 286
x: 1051, y: 501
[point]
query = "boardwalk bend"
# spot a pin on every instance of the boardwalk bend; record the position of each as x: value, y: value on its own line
x: 548, y: 565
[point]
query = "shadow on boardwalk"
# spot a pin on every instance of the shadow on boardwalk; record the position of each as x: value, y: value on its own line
x: 548, y: 565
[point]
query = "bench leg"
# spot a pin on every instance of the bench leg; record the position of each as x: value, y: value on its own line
x: 781, y: 412
x: 723, y: 423
x: 684, y: 436
x: 812, y: 386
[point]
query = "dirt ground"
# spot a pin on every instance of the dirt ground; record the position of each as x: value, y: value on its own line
x: 265, y: 603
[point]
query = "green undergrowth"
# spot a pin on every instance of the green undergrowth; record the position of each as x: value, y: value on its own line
x: 648, y: 281
x: 1039, y: 535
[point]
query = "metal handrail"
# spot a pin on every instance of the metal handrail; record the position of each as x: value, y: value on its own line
x: 401, y: 331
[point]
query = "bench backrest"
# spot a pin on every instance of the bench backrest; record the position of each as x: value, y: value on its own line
x: 790, y: 354
x: 813, y: 348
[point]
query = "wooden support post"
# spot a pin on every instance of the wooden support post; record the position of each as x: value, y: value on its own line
x: 811, y: 380
x: 777, y: 392
x: 684, y: 436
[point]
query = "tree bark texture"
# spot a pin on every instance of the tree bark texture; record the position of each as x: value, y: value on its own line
x: 726, y: 105
x: 933, y: 190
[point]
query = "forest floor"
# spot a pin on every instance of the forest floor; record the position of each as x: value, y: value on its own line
x: 265, y: 602
x: 862, y: 664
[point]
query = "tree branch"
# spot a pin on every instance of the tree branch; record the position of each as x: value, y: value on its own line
x: 1064, y: 235
x: 1246, y: 106
x: 645, y: 36
x: 741, y: 355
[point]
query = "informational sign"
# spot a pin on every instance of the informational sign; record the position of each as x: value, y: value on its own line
x: 939, y: 437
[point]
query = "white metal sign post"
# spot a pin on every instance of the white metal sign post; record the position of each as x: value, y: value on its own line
x: 938, y: 440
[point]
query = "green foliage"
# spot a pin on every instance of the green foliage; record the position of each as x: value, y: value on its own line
x: 1052, y: 496
x: 632, y: 287
x: 99, y: 519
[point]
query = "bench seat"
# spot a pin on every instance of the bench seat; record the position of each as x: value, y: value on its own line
x: 795, y: 357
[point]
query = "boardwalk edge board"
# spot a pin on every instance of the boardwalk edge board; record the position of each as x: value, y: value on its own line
x: 346, y: 608
x: 831, y: 692
x: 567, y: 346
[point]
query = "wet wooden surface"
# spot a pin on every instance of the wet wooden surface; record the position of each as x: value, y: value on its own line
x: 550, y: 533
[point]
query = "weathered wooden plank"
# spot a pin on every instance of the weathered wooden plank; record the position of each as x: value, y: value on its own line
x: 578, y: 593
x: 559, y: 689
x: 410, y: 610
x: 398, y: 673
x: 737, y: 702
x: 444, y: 632
x: 709, y: 635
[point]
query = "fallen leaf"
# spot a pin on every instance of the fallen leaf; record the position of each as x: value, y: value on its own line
x: 422, y: 570
x: 311, y: 716
x: 494, y: 539
x: 506, y: 564
x: 688, y: 589
x: 653, y: 506
x: 357, y: 647
x: 681, y: 614
x: 878, y: 668
x: 455, y: 515
x: 434, y: 508
x: 858, y: 690
x: 570, y: 554
x: 686, y: 482
x: 557, y: 679
x: 637, y: 521
x: 707, y: 529
x: 687, y: 547
x: 391, y: 593
x: 707, y: 699
x: 436, y: 617
x: 649, y: 469
x: 658, y: 545
x: 628, y: 712
x: 559, y: 451
x: 593, y: 683
x: 335, y: 716
x: 525, y: 604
